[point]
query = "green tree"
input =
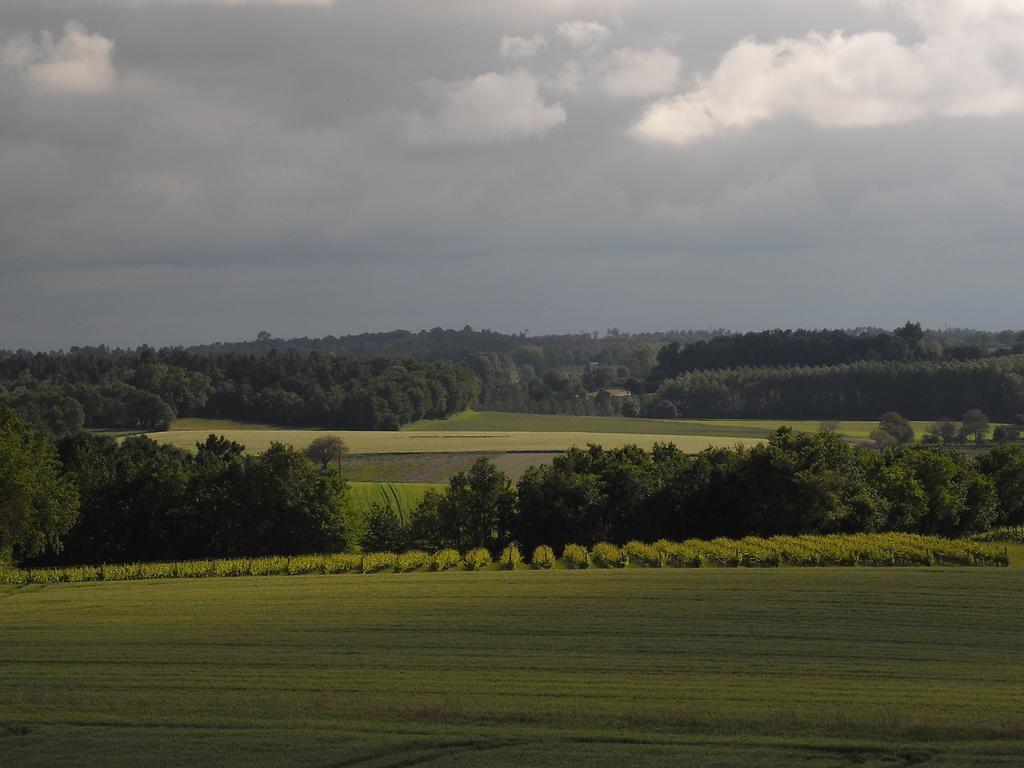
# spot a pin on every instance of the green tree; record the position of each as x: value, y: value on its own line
x: 1005, y: 467
x: 943, y: 431
x: 479, y: 508
x: 1006, y: 433
x: 326, y: 450
x: 38, y: 505
x: 384, y: 531
x: 901, y: 430
x: 290, y: 506
x: 975, y: 424
x: 883, y: 439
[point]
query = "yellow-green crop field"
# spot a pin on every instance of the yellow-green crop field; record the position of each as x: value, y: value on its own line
x: 825, y: 667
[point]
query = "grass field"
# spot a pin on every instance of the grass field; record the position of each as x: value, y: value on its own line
x: 403, y: 497
x: 865, y: 667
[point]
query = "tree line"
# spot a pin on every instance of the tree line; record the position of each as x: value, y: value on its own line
x: 862, y: 390
x: 333, y: 383
x: 793, y: 484
x: 64, y: 393
x: 91, y: 499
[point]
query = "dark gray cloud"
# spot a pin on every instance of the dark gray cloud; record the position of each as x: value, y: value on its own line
x: 175, y: 172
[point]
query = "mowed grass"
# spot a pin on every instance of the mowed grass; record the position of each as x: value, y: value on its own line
x: 825, y: 667
x: 401, y: 497
x: 1016, y: 553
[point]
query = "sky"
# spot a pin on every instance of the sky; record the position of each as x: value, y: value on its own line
x: 185, y: 171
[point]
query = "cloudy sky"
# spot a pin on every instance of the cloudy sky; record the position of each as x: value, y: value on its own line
x: 179, y: 171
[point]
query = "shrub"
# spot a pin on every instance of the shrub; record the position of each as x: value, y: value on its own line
x: 342, y: 563
x: 576, y: 556
x: 444, y: 559
x: 543, y: 557
x: 478, y: 558
x: 233, y: 567
x: 606, y: 555
x: 83, y: 573
x: 647, y: 555
x: 121, y: 572
x: 13, y: 576
x: 269, y: 566
x: 876, y: 549
x: 379, y: 561
x: 510, y: 557
x: 413, y: 560
x: 1005, y: 535
x: 678, y: 554
x: 304, y: 564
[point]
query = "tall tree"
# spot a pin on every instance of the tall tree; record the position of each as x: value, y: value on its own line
x: 38, y: 505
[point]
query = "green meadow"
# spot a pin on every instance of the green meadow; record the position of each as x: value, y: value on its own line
x: 719, y: 667
x: 401, y: 497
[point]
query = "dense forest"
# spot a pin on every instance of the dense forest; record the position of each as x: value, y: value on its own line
x: 63, y: 393
x: 385, y: 380
x: 862, y: 390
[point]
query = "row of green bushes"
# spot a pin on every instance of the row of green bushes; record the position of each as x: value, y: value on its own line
x: 891, y: 549
x: 1006, y: 535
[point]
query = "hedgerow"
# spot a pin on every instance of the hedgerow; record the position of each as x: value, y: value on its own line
x: 862, y: 549
x: 1006, y: 535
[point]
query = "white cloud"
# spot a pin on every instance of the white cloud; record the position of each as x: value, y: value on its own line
x: 513, y: 47
x: 584, y: 34
x: 634, y: 72
x: 968, y: 64
x: 492, y: 107
x: 79, y: 62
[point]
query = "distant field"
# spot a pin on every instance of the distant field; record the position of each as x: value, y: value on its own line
x: 478, y: 421
x: 432, y: 451
x: 531, y: 422
x: 414, y: 441
x: 830, y: 668
x: 402, y: 497
x: 191, y: 425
